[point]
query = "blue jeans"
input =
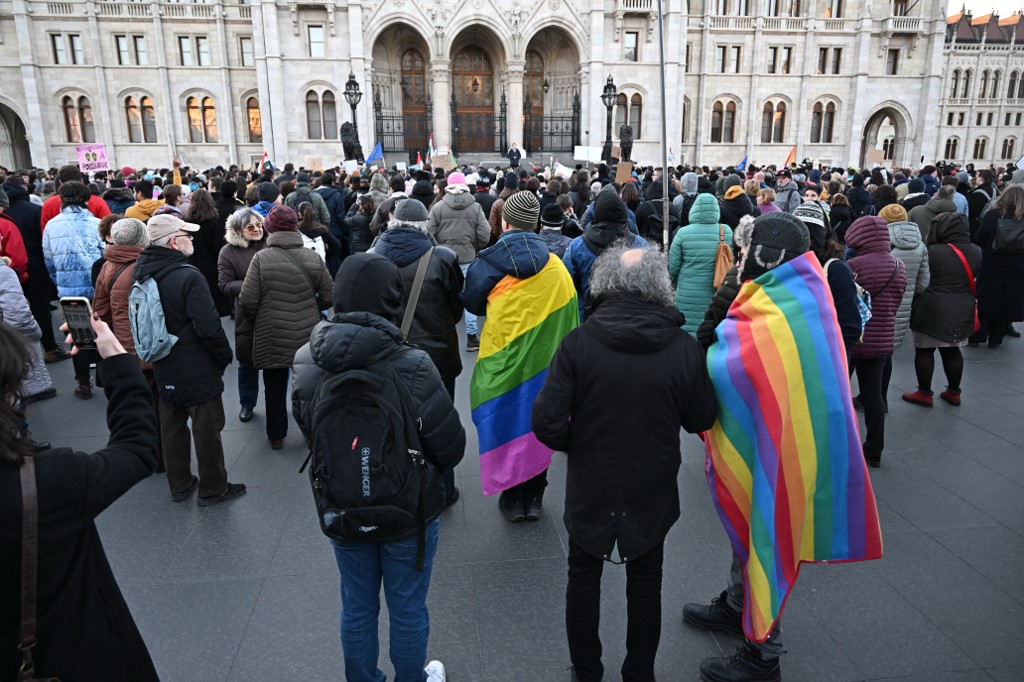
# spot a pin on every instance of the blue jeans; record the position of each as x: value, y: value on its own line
x: 471, y: 327
x: 363, y: 567
x: 248, y: 385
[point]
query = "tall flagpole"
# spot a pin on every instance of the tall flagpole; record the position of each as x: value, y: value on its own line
x: 664, y: 132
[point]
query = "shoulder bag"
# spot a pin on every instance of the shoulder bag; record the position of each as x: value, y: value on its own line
x: 970, y: 278
x: 29, y: 558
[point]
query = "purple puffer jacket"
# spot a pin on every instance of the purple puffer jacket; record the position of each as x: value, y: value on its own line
x: 885, y: 278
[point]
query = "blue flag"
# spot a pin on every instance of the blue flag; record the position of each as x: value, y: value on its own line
x: 742, y: 165
x: 376, y: 155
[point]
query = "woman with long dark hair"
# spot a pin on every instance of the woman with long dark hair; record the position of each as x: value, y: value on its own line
x: 84, y: 628
x: 207, y: 242
x: 1001, y: 281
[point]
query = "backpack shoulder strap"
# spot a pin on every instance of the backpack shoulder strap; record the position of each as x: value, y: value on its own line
x: 113, y: 280
x: 417, y: 288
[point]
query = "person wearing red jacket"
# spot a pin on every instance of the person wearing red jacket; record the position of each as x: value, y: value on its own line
x: 13, y: 246
x: 51, y: 207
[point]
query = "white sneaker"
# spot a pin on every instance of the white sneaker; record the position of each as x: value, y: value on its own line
x: 435, y: 671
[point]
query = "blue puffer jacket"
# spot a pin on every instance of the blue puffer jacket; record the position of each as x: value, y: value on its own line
x: 71, y: 244
x: 691, y: 260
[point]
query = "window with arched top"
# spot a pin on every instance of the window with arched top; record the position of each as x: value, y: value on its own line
x: 951, y: 148
x: 321, y: 116
x: 77, y: 115
x: 413, y: 81
x: 141, y: 119
x: 823, y: 122
x: 209, y: 120
x: 1020, y: 88
x: 773, y: 122
x: 195, y: 120
x: 636, y: 115
x: 983, y: 91
x: 979, y: 148
x: 1008, y: 145
x: 621, y: 112
x: 252, y: 110
x: 994, y: 92
x: 1011, y: 92
x: 148, y: 120
x: 72, y: 130
x: 953, y: 91
x: 966, y: 90
x: 85, y: 118
x: 888, y: 148
x: 723, y: 121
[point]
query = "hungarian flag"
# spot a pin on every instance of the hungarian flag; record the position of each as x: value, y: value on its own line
x: 430, y: 149
x: 265, y: 164
x: 791, y: 158
x: 419, y: 159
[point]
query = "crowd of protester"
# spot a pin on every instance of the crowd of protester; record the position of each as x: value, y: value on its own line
x: 564, y: 292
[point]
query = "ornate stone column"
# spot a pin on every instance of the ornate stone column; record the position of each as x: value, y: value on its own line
x: 515, y: 71
x: 440, y: 94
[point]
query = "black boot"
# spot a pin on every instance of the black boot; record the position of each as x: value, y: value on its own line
x: 510, y: 502
x: 746, y: 665
x: 533, y: 505
x: 716, y: 616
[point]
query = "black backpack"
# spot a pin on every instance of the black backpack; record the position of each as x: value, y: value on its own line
x: 655, y: 227
x: 368, y: 473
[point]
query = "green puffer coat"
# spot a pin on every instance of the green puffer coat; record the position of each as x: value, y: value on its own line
x: 691, y: 260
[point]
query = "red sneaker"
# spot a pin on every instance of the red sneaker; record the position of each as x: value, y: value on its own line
x: 919, y: 397
x: 951, y: 398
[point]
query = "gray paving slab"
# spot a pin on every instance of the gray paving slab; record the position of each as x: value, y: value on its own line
x: 249, y: 590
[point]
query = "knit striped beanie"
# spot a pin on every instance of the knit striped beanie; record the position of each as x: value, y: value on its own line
x: 521, y: 210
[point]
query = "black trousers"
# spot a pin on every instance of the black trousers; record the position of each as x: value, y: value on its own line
x: 869, y: 377
x: 992, y: 331
x: 275, y: 396
x: 643, y: 614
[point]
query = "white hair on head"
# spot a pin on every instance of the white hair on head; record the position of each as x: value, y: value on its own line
x: 645, y: 278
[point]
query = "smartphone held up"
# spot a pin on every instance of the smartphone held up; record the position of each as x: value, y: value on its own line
x: 78, y: 315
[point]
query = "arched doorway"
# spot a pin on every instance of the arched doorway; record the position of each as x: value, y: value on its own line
x: 401, y: 91
x: 473, y: 101
x: 885, y: 133
x: 551, y: 104
x: 14, y: 149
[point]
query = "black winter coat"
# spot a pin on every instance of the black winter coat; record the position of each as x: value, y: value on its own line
x: 1001, y: 282
x: 485, y: 199
x: 193, y: 372
x: 26, y: 216
x: 335, y: 202
x: 85, y: 629
x: 623, y: 454
x: 439, y: 309
x: 358, y: 227
x: 737, y: 207
x: 859, y: 199
x: 356, y: 340
x: 945, y: 309
x: 718, y: 308
x: 208, y: 242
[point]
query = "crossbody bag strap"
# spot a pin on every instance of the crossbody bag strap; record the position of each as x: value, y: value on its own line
x: 967, y: 267
x: 889, y: 281
x: 29, y: 560
x: 113, y: 280
x: 304, y: 271
x: 721, y: 233
x: 417, y: 288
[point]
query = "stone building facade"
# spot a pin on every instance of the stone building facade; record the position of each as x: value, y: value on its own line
x: 223, y: 81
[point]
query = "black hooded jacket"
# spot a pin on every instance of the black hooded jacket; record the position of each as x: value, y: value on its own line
x: 623, y: 455
x: 26, y: 216
x: 439, y: 309
x: 193, y: 371
x: 361, y: 333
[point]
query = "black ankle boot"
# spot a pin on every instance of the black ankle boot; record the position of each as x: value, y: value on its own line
x: 510, y: 502
x: 746, y: 665
x: 717, y: 616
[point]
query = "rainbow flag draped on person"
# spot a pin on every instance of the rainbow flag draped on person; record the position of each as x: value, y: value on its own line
x: 526, y: 321
x: 785, y: 466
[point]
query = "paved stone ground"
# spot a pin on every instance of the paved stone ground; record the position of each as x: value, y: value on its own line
x: 249, y: 590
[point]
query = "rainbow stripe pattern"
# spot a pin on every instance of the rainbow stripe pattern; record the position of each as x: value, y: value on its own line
x: 785, y: 466
x: 526, y: 321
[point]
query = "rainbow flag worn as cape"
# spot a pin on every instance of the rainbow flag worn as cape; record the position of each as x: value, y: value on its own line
x: 526, y: 321
x: 785, y: 465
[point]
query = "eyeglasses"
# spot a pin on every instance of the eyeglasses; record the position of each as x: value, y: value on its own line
x: 253, y: 227
x: 183, y: 234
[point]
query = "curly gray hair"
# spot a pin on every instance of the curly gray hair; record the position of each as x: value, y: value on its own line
x: 644, y: 277
x: 237, y: 221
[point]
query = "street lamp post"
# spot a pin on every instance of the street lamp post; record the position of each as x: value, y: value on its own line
x: 608, y: 97
x: 353, y: 96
